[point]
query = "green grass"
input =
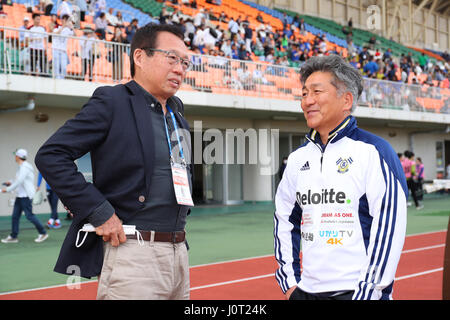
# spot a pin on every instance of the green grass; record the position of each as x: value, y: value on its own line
x: 215, y: 233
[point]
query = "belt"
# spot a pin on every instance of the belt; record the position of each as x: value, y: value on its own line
x: 173, y: 237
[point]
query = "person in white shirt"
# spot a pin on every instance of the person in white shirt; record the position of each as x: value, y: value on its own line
x: 37, y: 42
x: 111, y: 18
x: 226, y: 48
x: 60, y: 57
x: 23, y: 185
x: 88, y: 52
x: 233, y: 26
x: 342, y: 199
x: 64, y: 8
x: 24, y: 56
x: 101, y: 26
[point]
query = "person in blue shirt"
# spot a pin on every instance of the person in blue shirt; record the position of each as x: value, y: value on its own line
x: 53, y: 222
x: 371, y: 67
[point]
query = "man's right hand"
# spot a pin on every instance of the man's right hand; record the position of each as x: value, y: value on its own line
x: 112, y: 231
x: 289, y: 292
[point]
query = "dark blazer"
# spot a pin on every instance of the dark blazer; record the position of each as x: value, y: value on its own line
x: 115, y: 127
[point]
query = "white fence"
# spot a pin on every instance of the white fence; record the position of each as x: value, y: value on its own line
x: 88, y: 59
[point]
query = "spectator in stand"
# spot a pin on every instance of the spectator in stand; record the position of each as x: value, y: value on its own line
x: 111, y: 19
x: 189, y: 29
x: 64, y: 9
x: 46, y: 6
x: 243, y: 54
x: 226, y: 48
x: 258, y: 76
x: 234, y: 51
x: 371, y: 68
x: 83, y: 8
x: 423, y: 62
x: 302, y: 27
x: 101, y: 26
x: 200, y: 18
x: 245, y: 77
x: 233, y: 26
x: 37, y: 42
x: 53, y: 24
x: 24, y: 55
x: 119, y: 18
x: 130, y: 30
x: 164, y: 15
x: 199, y: 38
x: 59, y: 47
x: 88, y: 52
x: 248, y: 36
x: 363, y: 55
x: 372, y: 42
x: 223, y: 17
x: 100, y: 6
x: 116, y: 53
x: 387, y: 55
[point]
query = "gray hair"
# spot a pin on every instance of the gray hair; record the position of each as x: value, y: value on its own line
x: 345, y: 76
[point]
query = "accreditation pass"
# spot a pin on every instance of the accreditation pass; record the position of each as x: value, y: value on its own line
x: 181, y: 184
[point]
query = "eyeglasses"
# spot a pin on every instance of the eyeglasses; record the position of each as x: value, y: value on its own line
x: 172, y: 58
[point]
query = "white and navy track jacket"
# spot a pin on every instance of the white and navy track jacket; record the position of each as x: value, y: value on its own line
x: 346, y: 204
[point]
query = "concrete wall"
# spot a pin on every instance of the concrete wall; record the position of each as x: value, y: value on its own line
x: 21, y: 130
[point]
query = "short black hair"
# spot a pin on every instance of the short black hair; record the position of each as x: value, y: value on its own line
x: 146, y: 36
x: 34, y: 15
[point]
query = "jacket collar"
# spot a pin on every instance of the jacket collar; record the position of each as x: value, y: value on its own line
x: 342, y: 130
x: 137, y: 89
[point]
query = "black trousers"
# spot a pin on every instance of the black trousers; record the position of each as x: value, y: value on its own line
x: 412, y: 186
x: 299, y: 294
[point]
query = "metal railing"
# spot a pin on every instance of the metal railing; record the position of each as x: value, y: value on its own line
x: 89, y: 59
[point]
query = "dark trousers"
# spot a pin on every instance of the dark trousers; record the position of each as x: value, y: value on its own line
x: 53, y: 202
x: 299, y: 294
x: 412, y: 186
x: 38, y: 57
x: 87, y: 64
x: 24, y: 204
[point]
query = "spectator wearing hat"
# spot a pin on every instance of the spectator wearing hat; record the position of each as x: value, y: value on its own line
x: 23, y: 185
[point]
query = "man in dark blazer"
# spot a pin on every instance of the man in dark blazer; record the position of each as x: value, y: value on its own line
x: 126, y: 129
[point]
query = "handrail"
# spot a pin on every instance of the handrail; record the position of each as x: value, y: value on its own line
x: 102, y: 61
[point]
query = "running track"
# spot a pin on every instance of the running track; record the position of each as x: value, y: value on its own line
x: 419, y: 277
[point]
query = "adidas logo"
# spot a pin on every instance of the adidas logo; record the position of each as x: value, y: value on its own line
x: 305, y: 166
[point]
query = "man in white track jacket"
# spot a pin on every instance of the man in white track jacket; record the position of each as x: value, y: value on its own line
x: 342, y: 197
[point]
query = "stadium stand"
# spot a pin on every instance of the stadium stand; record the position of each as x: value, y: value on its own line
x: 274, y: 65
